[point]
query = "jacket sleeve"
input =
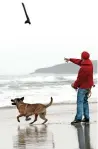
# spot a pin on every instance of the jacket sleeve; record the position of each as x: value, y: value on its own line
x: 76, y: 61
x: 80, y: 78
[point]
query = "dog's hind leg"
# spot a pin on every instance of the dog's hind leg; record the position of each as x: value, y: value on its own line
x: 36, y: 115
x: 19, y: 117
x: 42, y: 116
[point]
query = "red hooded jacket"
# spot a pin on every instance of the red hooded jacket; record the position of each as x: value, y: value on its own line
x: 85, y: 74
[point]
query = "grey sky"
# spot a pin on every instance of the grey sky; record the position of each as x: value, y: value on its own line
x: 59, y: 28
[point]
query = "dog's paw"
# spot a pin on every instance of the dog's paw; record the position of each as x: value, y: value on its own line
x: 28, y: 119
x: 30, y: 124
x: 45, y: 121
x: 18, y: 120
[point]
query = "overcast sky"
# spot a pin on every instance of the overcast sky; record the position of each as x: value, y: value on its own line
x: 60, y: 28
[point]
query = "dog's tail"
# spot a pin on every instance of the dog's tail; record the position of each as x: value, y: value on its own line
x: 49, y: 103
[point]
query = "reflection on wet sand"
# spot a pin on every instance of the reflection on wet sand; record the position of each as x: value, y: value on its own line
x: 33, y: 137
x: 83, y: 133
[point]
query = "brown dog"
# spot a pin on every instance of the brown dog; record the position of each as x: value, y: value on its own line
x: 27, y: 110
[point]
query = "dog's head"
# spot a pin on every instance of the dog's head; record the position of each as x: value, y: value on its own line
x: 16, y: 100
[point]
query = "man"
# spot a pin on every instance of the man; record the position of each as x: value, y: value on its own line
x: 83, y: 85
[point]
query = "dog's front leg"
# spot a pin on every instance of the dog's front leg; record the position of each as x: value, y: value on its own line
x: 19, y: 117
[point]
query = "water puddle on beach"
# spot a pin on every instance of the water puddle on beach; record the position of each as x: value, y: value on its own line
x: 33, y: 137
x: 55, y: 137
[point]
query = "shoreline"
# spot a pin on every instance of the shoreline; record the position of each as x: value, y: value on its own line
x: 54, y: 104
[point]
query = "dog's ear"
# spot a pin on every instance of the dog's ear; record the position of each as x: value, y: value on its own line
x: 22, y: 98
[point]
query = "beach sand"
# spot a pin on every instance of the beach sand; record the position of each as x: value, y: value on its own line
x: 56, y: 134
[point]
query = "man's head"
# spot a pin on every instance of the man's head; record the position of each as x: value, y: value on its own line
x: 85, y: 55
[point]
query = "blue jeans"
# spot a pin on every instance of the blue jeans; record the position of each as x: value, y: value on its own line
x: 82, y: 104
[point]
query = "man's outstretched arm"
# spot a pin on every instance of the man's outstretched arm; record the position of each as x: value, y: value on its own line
x: 73, y: 60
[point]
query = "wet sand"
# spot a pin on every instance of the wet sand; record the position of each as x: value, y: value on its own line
x: 56, y: 134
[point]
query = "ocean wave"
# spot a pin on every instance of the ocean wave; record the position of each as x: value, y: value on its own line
x: 33, y: 82
x: 60, y: 94
x: 40, y: 79
x: 38, y: 88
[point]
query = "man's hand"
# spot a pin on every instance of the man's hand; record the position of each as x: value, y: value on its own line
x: 72, y: 85
x: 89, y: 93
x: 66, y: 59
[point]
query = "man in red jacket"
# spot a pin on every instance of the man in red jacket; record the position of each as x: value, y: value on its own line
x: 83, y: 85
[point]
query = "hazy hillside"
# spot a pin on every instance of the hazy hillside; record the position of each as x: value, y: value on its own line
x: 66, y: 68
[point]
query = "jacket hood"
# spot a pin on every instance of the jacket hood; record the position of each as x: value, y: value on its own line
x: 85, y: 55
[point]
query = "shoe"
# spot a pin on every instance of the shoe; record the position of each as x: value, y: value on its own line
x: 75, y: 122
x: 85, y: 120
